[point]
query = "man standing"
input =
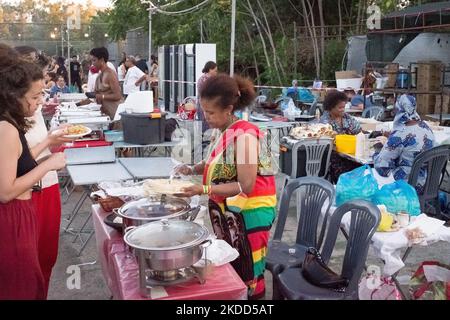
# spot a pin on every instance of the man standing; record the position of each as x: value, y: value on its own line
x: 85, y: 66
x: 75, y: 76
x: 133, y: 78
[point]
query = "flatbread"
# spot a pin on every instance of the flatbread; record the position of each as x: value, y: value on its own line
x: 162, y: 186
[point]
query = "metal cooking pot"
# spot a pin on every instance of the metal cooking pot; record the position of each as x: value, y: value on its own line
x: 150, y: 209
x: 168, y: 244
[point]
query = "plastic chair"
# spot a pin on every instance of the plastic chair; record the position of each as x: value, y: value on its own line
x: 316, y: 193
x: 373, y: 112
x: 434, y: 161
x: 315, y: 151
x: 365, y: 217
x: 266, y: 92
x: 314, y: 107
x: 260, y: 99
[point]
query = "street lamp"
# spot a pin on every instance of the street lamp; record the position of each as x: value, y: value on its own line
x: 52, y: 35
x: 106, y: 35
x: 86, y: 35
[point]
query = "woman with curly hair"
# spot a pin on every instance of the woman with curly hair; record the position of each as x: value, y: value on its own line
x: 21, y: 84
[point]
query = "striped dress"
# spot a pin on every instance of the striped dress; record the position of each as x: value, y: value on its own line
x: 244, y: 221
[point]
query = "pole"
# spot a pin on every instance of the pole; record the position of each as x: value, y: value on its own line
x: 62, y: 42
x: 149, y: 32
x: 201, y: 30
x: 233, y: 32
x: 295, y: 50
x: 68, y: 52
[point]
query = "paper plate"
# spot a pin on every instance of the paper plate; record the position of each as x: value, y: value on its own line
x: 79, y: 135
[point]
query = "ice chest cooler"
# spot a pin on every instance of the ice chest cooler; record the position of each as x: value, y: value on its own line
x: 143, y: 128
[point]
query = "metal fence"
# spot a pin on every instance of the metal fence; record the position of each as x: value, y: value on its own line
x: 54, y: 39
x: 136, y: 42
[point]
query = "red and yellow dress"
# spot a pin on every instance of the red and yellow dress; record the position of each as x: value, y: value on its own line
x: 244, y: 221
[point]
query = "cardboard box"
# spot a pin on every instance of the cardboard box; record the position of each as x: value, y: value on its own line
x: 391, y: 73
x: 425, y: 104
x: 348, y: 79
x: 445, y: 104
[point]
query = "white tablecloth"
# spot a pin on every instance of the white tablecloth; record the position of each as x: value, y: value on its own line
x: 440, y: 135
x: 388, y: 245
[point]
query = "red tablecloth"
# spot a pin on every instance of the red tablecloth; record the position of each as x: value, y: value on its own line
x: 121, y: 272
x: 82, y: 144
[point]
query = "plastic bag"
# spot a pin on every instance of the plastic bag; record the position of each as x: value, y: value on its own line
x: 187, y: 110
x: 399, y: 196
x: 220, y: 252
x: 374, y: 287
x: 356, y: 184
x: 292, y: 112
x: 431, y: 281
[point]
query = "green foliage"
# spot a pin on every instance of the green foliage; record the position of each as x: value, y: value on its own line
x: 334, y: 53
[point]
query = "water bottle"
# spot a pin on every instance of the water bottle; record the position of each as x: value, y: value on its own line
x: 360, y: 145
x: 317, y: 114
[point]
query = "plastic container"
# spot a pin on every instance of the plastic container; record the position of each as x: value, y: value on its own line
x: 113, y: 135
x: 402, y: 79
x: 360, y: 145
x: 346, y: 143
x: 143, y: 128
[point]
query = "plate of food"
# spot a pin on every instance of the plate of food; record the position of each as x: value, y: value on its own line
x: 77, y: 131
x: 114, y: 221
x: 166, y: 186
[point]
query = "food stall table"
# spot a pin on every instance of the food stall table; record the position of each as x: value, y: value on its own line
x: 363, y: 161
x: 168, y: 145
x: 122, y: 273
x: 88, y: 175
x: 145, y: 168
x: 93, y: 155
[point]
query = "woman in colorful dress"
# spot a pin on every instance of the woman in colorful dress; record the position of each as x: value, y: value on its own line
x: 238, y: 180
x: 410, y: 136
x: 342, y: 123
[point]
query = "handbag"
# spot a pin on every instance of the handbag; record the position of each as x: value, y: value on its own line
x: 316, y: 272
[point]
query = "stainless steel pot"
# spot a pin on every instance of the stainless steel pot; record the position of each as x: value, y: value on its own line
x: 150, y: 209
x: 167, y: 244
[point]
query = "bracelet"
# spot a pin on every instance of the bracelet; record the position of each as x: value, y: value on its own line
x: 240, y: 187
x: 209, y: 190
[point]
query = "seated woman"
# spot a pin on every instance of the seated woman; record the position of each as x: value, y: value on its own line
x: 334, y: 114
x: 342, y: 123
x: 410, y: 136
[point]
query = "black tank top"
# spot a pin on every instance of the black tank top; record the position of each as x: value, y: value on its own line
x: 26, y: 162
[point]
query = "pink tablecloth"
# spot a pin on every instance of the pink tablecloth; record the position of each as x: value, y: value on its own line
x: 121, y: 272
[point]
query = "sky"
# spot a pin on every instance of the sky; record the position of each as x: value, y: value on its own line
x: 98, y: 3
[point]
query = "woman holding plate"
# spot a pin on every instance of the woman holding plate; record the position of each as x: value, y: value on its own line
x: 237, y: 179
x: 21, y: 84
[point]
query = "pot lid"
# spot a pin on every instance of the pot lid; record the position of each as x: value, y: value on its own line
x: 166, y: 235
x: 154, y: 208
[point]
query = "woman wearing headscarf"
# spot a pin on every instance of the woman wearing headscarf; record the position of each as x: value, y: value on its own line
x: 410, y: 137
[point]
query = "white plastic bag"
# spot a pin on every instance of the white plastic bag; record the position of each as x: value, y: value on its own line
x: 374, y: 287
x: 292, y: 111
x: 220, y: 252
